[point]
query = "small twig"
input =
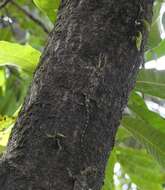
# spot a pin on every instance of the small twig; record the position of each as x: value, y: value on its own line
x: 4, y: 3
x: 31, y: 16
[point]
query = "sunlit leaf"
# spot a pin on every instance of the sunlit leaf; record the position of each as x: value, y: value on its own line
x: 109, y: 172
x: 23, y: 56
x: 2, y: 81
x: 4, y: 136
x: 6, y: 121
x: 49, y: 7
x: 2, y: 148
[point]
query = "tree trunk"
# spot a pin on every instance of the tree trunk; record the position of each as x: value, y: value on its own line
x: 66, y: 129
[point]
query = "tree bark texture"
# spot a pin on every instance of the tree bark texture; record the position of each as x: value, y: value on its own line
x: 66, y: 128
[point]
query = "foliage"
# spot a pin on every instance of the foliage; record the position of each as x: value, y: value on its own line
x: 140, y: 145
x: 10, y: 55
x: 49, y: 8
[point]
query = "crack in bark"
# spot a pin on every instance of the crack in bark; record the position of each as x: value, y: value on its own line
x: 86, y: 125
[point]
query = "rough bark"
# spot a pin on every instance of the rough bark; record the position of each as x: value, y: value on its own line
x: 66, y: 129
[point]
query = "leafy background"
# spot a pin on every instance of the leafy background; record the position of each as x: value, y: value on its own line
x: 138, y: 159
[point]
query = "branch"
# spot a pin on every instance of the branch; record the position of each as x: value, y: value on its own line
x: 4, y: 3
x: 31, y: 16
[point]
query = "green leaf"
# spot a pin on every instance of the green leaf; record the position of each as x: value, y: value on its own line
x: 122, y: 135
x: 23, y: 56
x: 5, y: 34
x: 15, y: 90
x: 48, y: 7
x: 156, y: 52
x: 156, y: 10
x: 154, y: 36
x: 146, y: 24
x: 6, y: 121
x: 150, y: 137
x: 151, y: 82
x: 2, y: 77
x: 2, y: 148
x: 139, y: 40
x: 109, y: 172
x: 4, y: 136
x: 141, y: 168
x: 149, y: 129
x: 2, y: 81
x: 138, y: 106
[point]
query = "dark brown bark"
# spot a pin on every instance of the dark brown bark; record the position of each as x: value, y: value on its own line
x: 67, y: 126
